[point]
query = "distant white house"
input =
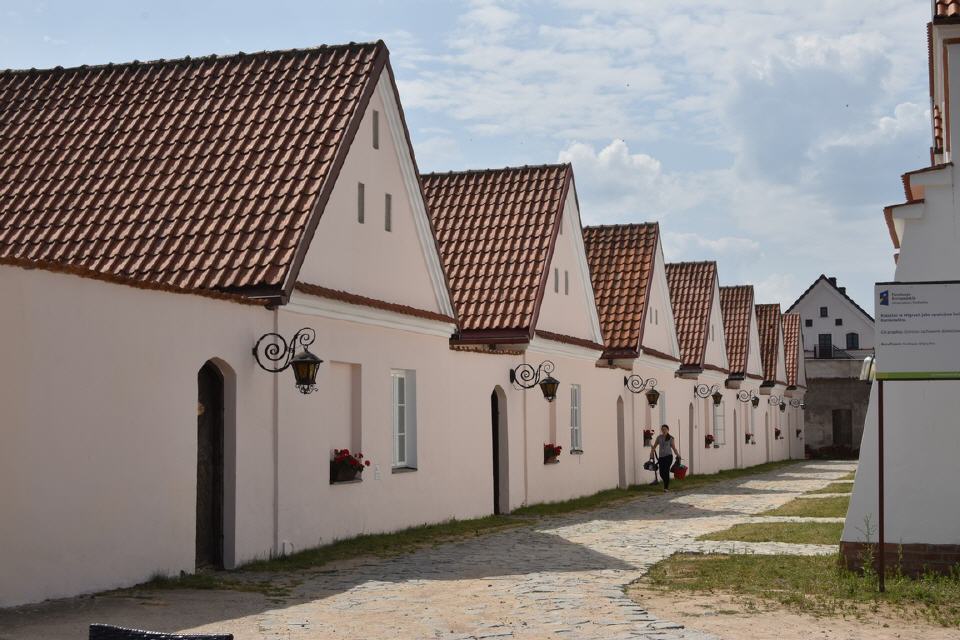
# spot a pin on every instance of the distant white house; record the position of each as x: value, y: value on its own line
x: 833, y: 324
x: 837, y: 335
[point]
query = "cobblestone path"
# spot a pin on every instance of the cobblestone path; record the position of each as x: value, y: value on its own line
x: 564, y: 577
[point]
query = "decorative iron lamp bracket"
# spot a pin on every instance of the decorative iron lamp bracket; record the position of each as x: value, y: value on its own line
x: 777, y: 400
x: 797, y: 403
x: 526, y: 376
x: 636, y: 384
x: 747, y: 396
x: 706, y: 391
x: 274, y: 354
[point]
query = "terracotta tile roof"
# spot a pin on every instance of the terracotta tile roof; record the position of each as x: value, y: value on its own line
x: 621, y: 259
x: 768, y: 326
x: 791, y: 346
x: 691, y: 296
x: 946, y: 8
x: 353, y: 298
x: 736, y: 305
x: 201, y: 173
x: 496, y: 229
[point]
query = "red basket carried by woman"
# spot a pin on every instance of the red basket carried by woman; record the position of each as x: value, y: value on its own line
x: 679, y: 469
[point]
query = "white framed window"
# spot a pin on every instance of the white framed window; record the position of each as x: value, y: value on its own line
x: 360, y: 201
x: 576, y: 433
x: 719, y: 424
x: 388, y: 212
x: 376, y: 129
x: 404, y: 384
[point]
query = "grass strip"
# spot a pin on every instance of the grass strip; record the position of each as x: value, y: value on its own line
x: 387, y: 544
x: 816, y: 585
x: 832, y: 507
x: 613, y: 496
x: 835, y: 487
x: 789, y: 532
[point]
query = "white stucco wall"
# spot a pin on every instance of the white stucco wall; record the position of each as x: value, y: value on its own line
x: 366, y: 259
x: 568, y: 306
x: 660, y: 332
x: 99, y: 431
x: 716, y: 350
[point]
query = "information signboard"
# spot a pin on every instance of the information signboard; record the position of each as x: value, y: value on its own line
x: 918, y: 330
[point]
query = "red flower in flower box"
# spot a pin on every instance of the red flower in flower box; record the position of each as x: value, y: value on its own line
x: 708, y: 439
x: 776, y: 434
x: 551, y: 452
x: 346, y: 466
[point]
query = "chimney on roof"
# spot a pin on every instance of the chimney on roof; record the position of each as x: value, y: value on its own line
x: 832, y: 281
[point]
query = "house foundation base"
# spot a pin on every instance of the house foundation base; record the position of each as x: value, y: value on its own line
x: 912, y: 559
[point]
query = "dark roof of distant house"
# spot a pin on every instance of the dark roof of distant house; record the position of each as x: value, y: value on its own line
x: 622, y: 259
x: 198, y: 173
x: 736, y: 305
x: 496, y: 230
x: 840, y: 290
x: 692, y: 287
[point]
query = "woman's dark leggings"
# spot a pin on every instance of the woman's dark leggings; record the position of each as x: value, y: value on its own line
x: 665, y: 464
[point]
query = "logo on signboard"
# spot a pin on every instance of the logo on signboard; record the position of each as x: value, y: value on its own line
x: 885, y: 298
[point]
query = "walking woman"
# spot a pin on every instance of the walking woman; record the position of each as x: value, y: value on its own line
x: 661, y: 450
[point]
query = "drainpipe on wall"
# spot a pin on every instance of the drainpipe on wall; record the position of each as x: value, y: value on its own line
x: 276, y: 447
x: 526, y: 460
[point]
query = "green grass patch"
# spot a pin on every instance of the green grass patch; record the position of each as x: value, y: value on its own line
x: 816, y: 585
x: 832, y: 507
x: 613, y: 496
x: 214, y: 581
x: 790, y: 532
x: 387, y: 544
x: 849, y: 476
x: 835, y: 487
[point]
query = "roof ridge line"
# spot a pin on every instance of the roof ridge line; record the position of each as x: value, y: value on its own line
x: 558, y: 165
x: 212, y: 57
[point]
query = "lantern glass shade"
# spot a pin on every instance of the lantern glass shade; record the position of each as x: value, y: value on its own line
x: 652, y: 396
x: 305, y: 366
x: 549, y: 387
x: 783, y: 406
x: 717, y: 398
x: 755, y: 402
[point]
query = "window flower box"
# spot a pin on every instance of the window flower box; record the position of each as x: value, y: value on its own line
x: 346, y: 466
x: 799, y: 433
x: 777, y: 434
x: 647, y: 437
x: 748, y: 437
x: 551, y: 453
x: 708, y: 440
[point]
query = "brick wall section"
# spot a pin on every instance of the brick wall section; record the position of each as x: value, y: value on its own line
x: 913, y: 559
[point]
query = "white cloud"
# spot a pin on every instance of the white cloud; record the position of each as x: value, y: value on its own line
x: 683, y: 246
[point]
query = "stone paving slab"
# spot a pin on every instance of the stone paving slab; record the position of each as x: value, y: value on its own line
x: 564, y: 577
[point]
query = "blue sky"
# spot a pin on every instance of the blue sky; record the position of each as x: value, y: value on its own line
x: 766, y: 135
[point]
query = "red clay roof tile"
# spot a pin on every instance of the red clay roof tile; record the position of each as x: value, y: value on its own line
x: 196, y: 173
x: 946, y: 8
x: 691, y: 296
x: 621, y: 259
x: 768, y: 326
x: 791, y: 346
x: 736, y: 305
x: 496, y: 229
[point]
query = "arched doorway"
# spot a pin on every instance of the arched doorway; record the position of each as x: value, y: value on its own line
x: 691, y: 438
x: 498, y: 426
x: 210, y: 445
x: 766, y: 433
x: 621, y: 446
x: 736, y: 438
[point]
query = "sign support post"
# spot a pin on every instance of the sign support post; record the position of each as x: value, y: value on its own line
x: 883, y: 556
